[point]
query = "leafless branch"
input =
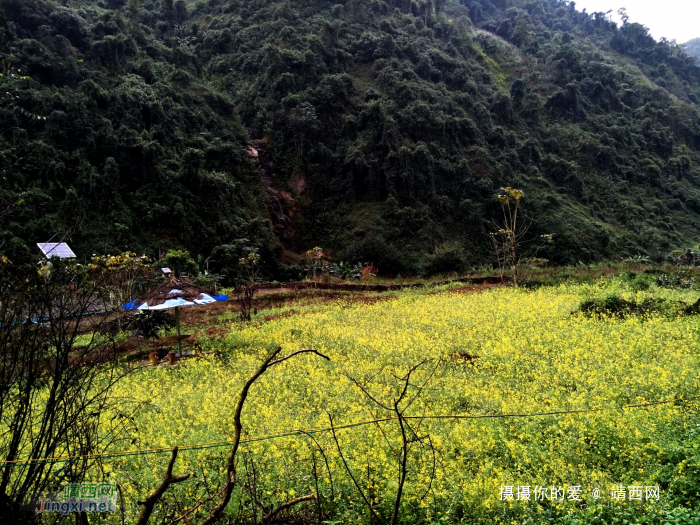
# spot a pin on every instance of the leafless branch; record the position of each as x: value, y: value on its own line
x: 54, y: 383
x: 157, y: 494
x: 347, y: 469
x: 270, y: 361
x: 328, y: 468
x: 311, y: 351
x: 193, y: 509
x: 409, y: 436
x: 366, y: 392
x: 287, y: 505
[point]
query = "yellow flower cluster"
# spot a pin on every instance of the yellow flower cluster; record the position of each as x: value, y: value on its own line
x: 126, y: 260
x: 503, y: 351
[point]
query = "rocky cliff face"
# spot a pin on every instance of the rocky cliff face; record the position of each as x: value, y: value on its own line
x: 283, y: 207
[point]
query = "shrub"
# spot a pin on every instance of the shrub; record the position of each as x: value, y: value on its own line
x: 448, y: 257
x: 638, y: 282
x: 678, y: 280
x: 368, y: 273
x: 616, y: 306
x: 225, y: 259
x: 207, y: 281
x: 375, y: 249
x: 150, y: 323
x: 613, y: 305
x: 289, y: 273
x: 180, y: 262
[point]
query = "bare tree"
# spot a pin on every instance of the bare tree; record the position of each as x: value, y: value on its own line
x: 406, y: 396
x: 224, y: 495
x: 123, y: 276
x: 250, y: 267
x: 509, y: 236
x: 244, y: 298
x: 150, y: 502
x: 56, y: 372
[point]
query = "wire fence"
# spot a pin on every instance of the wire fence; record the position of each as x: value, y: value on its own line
x: 291, y: 433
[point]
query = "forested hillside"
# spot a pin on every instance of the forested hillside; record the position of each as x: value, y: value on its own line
x: 381, y: 128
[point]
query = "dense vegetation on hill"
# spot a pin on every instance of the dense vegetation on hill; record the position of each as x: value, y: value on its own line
x: 389, y: 126
x: 693, y: 48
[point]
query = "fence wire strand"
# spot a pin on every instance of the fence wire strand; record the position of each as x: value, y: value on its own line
x: 291, y: 433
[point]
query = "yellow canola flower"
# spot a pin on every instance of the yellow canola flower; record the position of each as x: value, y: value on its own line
x: 503, y: 351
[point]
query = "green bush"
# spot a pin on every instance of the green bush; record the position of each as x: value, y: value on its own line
x: 678, y: 280
x: 612, y: 305
x: 208, y: 281
x: 448, y: 257
x: 225, y: 259
x: 375, y: 249
x: 639, y: 282
x: 286, y: 274
x: 180, y: 263
x: 150, y: 323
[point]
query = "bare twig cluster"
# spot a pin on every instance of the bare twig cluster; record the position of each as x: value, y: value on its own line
x: 244, y: 297
x: 153, y: 498
x: 509, y: 237
x: 250, y: 268
x: 223, y: 496
x: 57, y: 368
x: 410, y: 438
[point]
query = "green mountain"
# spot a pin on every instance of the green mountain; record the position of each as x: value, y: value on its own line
x: 378, y: 128
x: 693, y: 48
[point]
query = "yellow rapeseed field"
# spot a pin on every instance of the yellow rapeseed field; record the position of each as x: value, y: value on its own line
x: 503, y: 351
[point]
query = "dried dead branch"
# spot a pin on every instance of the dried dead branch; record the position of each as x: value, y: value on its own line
x: 168, y: 479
